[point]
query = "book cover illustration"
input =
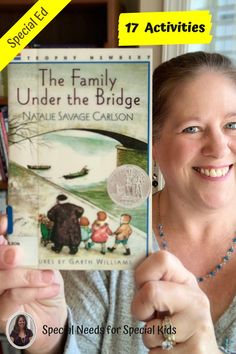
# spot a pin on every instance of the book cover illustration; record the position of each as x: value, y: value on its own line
x: 75, y: 117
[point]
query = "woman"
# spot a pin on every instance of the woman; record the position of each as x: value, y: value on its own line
x: 21, y: 335
x: 186, y: 292
x: 194, y: 215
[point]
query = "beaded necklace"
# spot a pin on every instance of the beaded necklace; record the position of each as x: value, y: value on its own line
x: 216, y: 269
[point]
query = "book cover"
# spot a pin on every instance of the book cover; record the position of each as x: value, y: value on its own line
x: 80, y: 157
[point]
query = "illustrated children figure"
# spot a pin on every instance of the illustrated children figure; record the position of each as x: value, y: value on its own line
x: 45, y: 228
x: 100, y: 231
x: 85, y: 231
x: 122, y: 234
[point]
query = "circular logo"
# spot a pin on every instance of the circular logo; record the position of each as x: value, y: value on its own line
x: 21, y: 330
x: 128, y: 186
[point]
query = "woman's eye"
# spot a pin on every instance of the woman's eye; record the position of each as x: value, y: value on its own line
x: 231, y: 125
x: 191, y: 130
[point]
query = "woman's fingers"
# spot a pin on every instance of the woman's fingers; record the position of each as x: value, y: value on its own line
x: 3, y: 224
x: 165, y: 296
x: 192, y: 346
x: 13, y: 299
x: 22, y: 296
x: 166, y: 286
x: 184, y: 330
x: 10, y: 257
x: 178, y: 349
x: 188, y: 308
x: 163, y: 265
x: 25, y: 278
x: 179, y: 326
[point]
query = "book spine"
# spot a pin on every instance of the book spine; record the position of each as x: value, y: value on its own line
x: 3, y: 163
x: 4, y: 130
x: 3, y: 143
x: 3, y: 150
x: 4, y: 110
x: 3, y: 203
x: 2, y: 173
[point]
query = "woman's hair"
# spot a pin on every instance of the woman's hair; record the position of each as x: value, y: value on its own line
x: 16, y: 326
x: 171, y: 73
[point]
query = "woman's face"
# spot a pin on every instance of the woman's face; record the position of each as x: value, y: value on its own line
x: 21, y: 322
x: 197, y: 148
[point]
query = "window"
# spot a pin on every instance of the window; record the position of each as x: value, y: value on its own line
x: 223, y: 26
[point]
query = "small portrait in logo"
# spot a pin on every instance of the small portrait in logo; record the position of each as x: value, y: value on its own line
x: 21, y: 330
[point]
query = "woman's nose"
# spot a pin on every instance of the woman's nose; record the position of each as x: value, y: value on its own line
x: 216, y: 144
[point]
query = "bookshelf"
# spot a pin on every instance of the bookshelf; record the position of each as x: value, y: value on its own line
x: 85, y: 22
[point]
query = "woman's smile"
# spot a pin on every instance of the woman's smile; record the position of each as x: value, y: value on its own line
x: 213, y: 172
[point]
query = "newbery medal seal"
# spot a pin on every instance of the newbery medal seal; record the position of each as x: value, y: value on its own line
x: 128, y: 186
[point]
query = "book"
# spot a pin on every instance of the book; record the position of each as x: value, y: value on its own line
x: 3, y: 162
x: 4, y: 144
x: 4, y: 110
x: 4, y: 131
x: 3, y: 203
x: 80, y: 157
x: 2, y: 170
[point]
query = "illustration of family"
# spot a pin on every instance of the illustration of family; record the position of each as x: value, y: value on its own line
x: 64, y: 225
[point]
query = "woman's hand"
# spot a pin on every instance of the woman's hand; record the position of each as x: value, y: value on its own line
x: 37, y: 292
x: 164, y: 285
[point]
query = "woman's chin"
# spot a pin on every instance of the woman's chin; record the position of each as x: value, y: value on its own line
x: 218, y: 201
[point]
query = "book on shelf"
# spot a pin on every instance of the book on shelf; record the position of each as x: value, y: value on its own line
x: 3, y: 201
x: 4, y: 110
x: 3, y: 149
x: 80, y: 157
x: 3, y: 176
x: 4, y: 138
x: 3, y: 84
x: 3, y: 128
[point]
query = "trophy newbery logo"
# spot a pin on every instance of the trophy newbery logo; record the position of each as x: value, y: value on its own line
x: 21, y: 330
